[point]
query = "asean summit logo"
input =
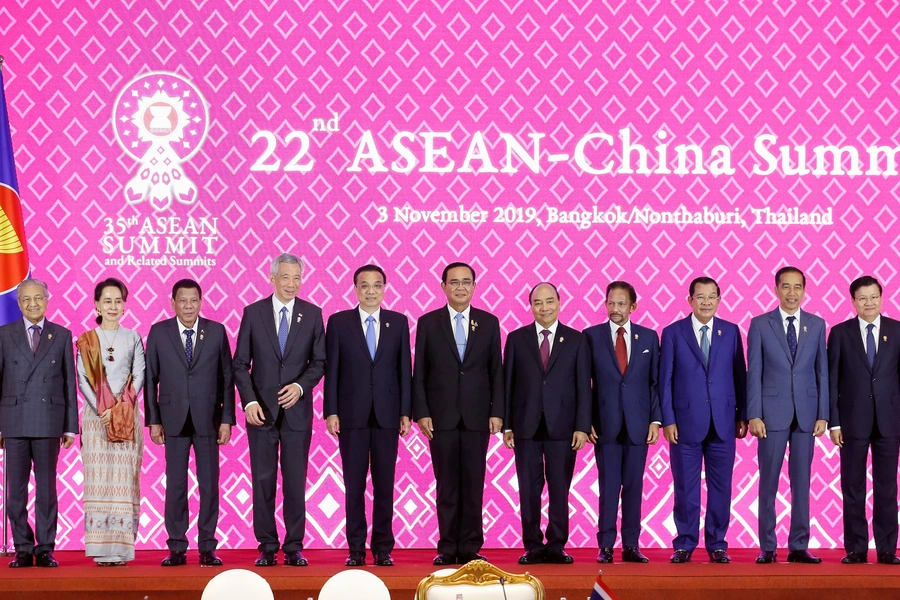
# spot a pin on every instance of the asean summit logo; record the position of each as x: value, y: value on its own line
x: 161, y: 120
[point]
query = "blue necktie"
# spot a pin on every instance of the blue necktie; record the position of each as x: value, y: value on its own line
x: 189, y: 345
x: 870, y: 344
x: 283, y: 330
x: 370, y: 335
x: 792, y: 337
x: 704, y: 343
x: 460, y: 336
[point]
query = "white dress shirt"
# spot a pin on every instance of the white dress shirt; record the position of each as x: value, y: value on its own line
x: 614, y: 330
x: 784, y: 322
x: 465, y: 320
x: 182, y: 329
x: 551, y: 338
x: 863, y: 324
x: 276, y: 308
x: 363, y: 315
x: 699, y: 334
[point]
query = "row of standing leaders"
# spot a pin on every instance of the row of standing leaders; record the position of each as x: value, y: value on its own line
x: 552, y: 391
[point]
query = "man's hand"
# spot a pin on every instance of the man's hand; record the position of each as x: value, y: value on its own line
x: 254, y: 414
x: 333, y: 423
x: 496, y: 425
x: 653, y: 434
x: 819, y: 428
x: 671, y: 433
x: 426, y: 427
x: 509, y: 440
x: 158, y: 434
x: 579, y: 439
x: 592, y: 439
x: 288, y: 395
x: 741, y: 428
x: 106, y: 416
x: 67, y: 442
x: 837, y: 438
x: 224, y: 434
x: 404, y: 425
x: 757, y: 428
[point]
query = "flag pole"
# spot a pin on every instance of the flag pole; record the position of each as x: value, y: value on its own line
x: 3, y: 498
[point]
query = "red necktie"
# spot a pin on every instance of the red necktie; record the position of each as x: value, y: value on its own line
x: 621, y: 350
x: 545, y: 348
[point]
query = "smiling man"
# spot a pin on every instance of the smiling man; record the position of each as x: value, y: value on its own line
x: 547, y: 378
x: 458, y: 405
x: 368, y: 404
x: 278, y: 360
x: 38, y: 412
x: 787, y: 404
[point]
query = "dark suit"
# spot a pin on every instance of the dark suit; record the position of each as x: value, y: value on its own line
x: 190, y: 401
x: 705, y: 402
x: 260, y: 371
x: 543, y: 410
x: 369, y: 397
x: 789, y: 395
x: 37, y: 406
x: 460, y: 397
x: 623, y: 408
x: 865, y: 404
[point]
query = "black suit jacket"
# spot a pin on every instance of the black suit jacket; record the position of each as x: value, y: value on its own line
x: 633, y: 398
x: 38, y: 391
x: 260, y: 370
x: 172, y: 388
x: 562, y: 393
x: 354, y: 383
x: 860, y: 394
x: 447, y: 389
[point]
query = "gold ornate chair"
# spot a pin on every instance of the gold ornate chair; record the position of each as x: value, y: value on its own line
x: 480, y: 580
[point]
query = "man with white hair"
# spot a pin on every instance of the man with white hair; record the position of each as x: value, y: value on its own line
x: 38, y: 412
x: 279, y: 359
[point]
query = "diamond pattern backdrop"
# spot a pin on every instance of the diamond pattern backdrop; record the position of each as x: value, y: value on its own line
x: 713, y: 72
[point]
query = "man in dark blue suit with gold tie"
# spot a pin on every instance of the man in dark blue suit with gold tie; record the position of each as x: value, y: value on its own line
x: 368, y: 404
x: 787, y: 403
x: 626, y: 417
x: 702, y: 381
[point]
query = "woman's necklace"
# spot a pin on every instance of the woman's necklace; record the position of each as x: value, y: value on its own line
x: 110, y: 346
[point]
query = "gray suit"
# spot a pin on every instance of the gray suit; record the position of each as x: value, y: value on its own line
x: 190, y: 401
x: 37, y: 406
x: 789, y: 394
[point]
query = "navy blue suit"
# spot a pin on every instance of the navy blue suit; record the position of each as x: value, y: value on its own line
x: 368, y: 396
x: 789, y: 395
x: 623, y: 408
x: 705, y: 402
x: 865, y: 404
x: 544, y: 408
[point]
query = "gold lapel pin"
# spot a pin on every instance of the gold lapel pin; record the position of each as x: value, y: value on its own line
x: 474, y: 325
x: 561, y: 340
x: 202, y: 333
x: 50, y: 336
x: 884, y: 338
x: 805, y: 329
x: 636, y: 336
x: 299, y: 317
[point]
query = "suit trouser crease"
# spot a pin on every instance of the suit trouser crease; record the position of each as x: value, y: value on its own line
x: 854, y: 455
x: 459, y: 461
x: 358, y: 447
x: 687, y: 462
x: 264, y: 459
x: 177, y: 516
x: 771, y: 453
x: 43, y: 453
x: 621, y: 468
x: 535, y: 460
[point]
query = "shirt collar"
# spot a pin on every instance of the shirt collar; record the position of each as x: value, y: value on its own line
x: 453, y: 312
x: 28, y: 324
x: 539, y: 328
x: 363, y: 315
x: 863, y: 323
x: 277, y: 305
x: 697, y: 324
x: 784, y: 315
x: 182, y: 327
x: 614, y: 328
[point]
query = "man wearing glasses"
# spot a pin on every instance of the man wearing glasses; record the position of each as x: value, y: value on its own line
x: 368, y: 403
x: 702, y: 379
x: 458, y: 404
x: 864, y: 371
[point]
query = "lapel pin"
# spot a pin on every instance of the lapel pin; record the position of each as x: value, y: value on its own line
x: 299, y: 317
x: 637, y: 337
x: 884, y: 338
x: 202, y: 333
x: 805, y: 329
x: 474, y: 325
x: 561, y: 340
x: 386, y: 324
x: 719, y: 332
x: 50, y: 336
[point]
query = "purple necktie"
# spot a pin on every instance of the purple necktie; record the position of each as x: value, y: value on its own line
x: 545, y: 348
x: 35, y: 338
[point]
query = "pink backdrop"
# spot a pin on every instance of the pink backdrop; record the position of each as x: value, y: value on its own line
x: 708, y: 73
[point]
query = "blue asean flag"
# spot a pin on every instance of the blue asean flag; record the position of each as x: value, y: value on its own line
x: 13, y: 251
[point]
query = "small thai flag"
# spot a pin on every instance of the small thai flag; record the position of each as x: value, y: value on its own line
x: 600, y: 591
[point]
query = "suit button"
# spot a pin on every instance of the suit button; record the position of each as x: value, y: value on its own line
x: 26, y: 399
x: 43, y: 399
x: 190, y: 376
x: 873, y: 380
x: 709, y: 382
x: 370, y: 385
x: 871, y: 397
x: 462, y: 373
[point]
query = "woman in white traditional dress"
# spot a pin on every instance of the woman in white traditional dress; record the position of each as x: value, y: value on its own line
x: 110, y: 370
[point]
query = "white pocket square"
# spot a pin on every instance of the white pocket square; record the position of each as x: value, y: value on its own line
x: 647, y: 351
